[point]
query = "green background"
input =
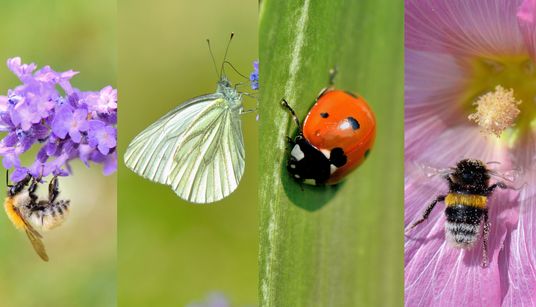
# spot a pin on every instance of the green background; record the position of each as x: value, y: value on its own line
x: 78, y: 35
x: 331, y: 246
x: 171, y: 252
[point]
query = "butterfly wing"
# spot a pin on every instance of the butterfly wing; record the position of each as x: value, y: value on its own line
x: 151, y: 153
x: 210, y: 160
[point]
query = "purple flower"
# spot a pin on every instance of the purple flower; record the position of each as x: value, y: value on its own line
x: 36, y: 112
x: 102, y: 136
x: 456, y: 54
x: 212, y: 300
x: 70, y: 121
x: 254, y: 76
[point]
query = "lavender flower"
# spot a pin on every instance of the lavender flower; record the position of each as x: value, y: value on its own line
x: 64, y: 122
x: 459, y: 54
x: 254, y: 76
x: 215, y: 299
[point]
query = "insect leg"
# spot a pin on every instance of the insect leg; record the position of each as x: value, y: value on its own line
x: 32, y: 189
x: 53, y: 189
x: 19, y: 186
x: 428, y: 210
x: 332, y: 75
x: 499, y: 184
x: 485, y: 240
x: 285, y: 104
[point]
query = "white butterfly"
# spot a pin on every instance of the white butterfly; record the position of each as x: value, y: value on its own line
x: 197, y: 148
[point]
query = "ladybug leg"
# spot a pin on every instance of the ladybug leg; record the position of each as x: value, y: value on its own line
x: 332, y: 75
x: 285, y: 104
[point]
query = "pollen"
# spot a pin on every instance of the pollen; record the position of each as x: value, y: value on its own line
x: 496, y: 111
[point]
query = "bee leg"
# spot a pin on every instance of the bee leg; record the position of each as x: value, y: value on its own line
x: 53, y: 189
x: 19, y: 186
x: 428, y: 211
x: 31, y: 190
x: 485, y: 240
x: 499, y: 184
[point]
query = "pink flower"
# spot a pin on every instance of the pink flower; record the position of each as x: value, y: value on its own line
x: 457, y: 51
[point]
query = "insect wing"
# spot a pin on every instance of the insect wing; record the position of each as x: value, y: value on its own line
x: 210, y: 159
x: 151, y: 153
x: 35, y: 238
x: 37, y: 244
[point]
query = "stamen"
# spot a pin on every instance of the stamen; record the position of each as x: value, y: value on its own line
x: 496, y: 111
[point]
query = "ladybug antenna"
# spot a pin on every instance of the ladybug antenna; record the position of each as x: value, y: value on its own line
x: 212, y: 56
x: 225, y: 55
x: 285, y: 104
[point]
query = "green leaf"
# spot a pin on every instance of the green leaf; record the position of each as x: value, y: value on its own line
x: 331, y: 246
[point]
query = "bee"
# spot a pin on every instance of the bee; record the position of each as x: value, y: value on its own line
x: 466, y: 205
x: 27, y: 212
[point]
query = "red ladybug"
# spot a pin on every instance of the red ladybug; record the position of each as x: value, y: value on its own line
x: 336, y: 137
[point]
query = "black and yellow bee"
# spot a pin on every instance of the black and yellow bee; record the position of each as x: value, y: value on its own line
x: 27, y: 212
x: 466, y: 205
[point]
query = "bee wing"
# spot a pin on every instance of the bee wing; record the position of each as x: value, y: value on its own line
x: 210, y: 159
x: 151, y: 153
x: 35, y: 238
x: 37, y: 244
x: 431, y: 171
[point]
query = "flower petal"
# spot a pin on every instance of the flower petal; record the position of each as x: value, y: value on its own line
x: 481, y: 28
x: 527, y: 23
x: 433, y: 81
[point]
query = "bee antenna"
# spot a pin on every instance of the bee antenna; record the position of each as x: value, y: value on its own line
x: 7, y: 178
x: 212, y: 56
x: 493, y: 162
x: 225, y: 55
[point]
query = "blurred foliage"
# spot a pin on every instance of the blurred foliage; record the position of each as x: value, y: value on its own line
x: 78, y: 35
x: 331, y: 246
x: 173, y: 252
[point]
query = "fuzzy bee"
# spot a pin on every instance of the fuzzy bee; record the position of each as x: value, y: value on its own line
x: 466, y: 205
x: 27, y: 212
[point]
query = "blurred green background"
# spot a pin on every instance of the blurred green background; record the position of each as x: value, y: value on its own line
x: 78, y: 35
x: 171, y: 252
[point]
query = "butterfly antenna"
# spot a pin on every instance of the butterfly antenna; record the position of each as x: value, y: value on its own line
x: 225, y: 55
x: 229, y: 63
x: 212, y: 56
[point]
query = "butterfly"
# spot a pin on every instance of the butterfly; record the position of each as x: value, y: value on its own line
x: 197, y: 148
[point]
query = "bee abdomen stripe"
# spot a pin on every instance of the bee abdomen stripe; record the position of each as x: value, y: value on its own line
x: 459, y: 228
x: 460, y: 234
x: 477, y: 201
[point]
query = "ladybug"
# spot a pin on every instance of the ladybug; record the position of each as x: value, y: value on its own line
x: 335, y: 139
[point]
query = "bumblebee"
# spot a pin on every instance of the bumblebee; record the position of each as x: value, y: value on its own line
x: 27, y: 212
x: 466, y: 205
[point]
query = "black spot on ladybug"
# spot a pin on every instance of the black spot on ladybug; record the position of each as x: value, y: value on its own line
x: 337, y: 157
x: 367, y: 153
x: 324, y: 115
x: 353, y: 122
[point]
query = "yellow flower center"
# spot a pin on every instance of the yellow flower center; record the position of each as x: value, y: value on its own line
x: 501, y: 94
